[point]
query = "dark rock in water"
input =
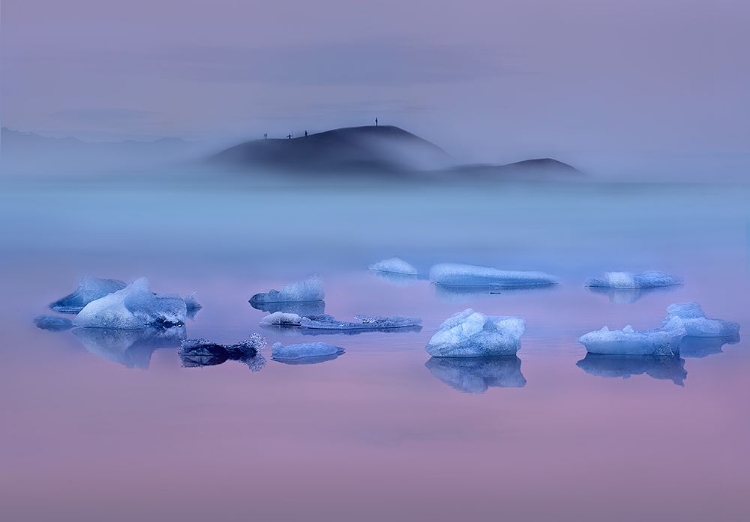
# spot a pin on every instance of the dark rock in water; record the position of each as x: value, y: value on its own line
x: 89, y: 290
x: 477, y: 374
x: 53, y: 323
x: 670, y: 368
x: 199, y: 352
x: 302, y: 308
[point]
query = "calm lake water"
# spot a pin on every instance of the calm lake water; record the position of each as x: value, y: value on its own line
x: 114, y: 428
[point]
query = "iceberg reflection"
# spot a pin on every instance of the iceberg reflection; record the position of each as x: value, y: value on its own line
x: 131, y: 348
x: 628, y: 295
x: 197, y: 353
x: 665, y: 367
x: 301, y: 308
x: 698, y: 347
x: 462, y: 294
x: 477, y: 374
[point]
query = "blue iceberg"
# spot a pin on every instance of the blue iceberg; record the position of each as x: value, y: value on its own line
x: 477, y: 374
x: 473, y: 334
x: 132, y: 308
x: 696, y: 323
x: 649, y: 279
x: 305, y: 353
x: 90, y: 289
x: 452, y: 274
x: 662, y: 341
x: 303, y: 291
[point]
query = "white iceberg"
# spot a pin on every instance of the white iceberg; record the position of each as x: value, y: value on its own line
x: 302, y: 291
x: 663, y: 341
x: 649, y: 279
x: 305, y: 352
x: 473, y: 334
x: 132, y: 308
x: 696, y: 323
x: 281, y: 319
x: 394, y: 265
x: 90, y: 289
x: 453, y: 274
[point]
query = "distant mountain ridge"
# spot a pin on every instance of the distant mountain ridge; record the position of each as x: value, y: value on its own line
x: 377, y: 149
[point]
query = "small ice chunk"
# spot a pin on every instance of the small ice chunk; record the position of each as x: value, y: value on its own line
x: 359, y: 322
x: 697, y: 324
x: 53, y: 323
x: 90, y: 289
x: 667, y: 367
x: 281, y: 319
x: 452, y: 274
x: 310, y: 352
x: 649, y: 279
x: 132, y: 308
x: 309, y: 290
x: 394, y: 265
x: 477, y: 374
x: 200, y: 352
x: 473, y: 334
x: 663, y: 341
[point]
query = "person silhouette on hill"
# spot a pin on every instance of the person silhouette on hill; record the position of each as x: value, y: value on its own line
x: 376, y: 122
x: 305, y: 134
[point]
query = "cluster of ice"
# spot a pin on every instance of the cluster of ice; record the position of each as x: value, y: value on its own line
x: 132, y: 308
x: 53, y: 323
x: 649, y: 279
x: 200, y: 352
x: 670, y: 368
x: 309, y: 290
x: 477, y: 374
x: 305, y: 353
x: 696, y: 323
x: 90, y: 289
x: 662, y: 341
x: 394, y: 265
x: 473, y: 334
x: 452, y: 274
x: 359, y: 322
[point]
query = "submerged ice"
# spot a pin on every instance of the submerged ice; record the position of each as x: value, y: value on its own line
x: 131, y: 308
x: 452, y: 274
x: 649, y: 279
x: 302, y: 291
x: 305, y: 353
x: 90, y: 289
x: 473, y: 334
x: 394, y: 265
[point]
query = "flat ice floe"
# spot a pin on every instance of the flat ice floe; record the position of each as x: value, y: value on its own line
x: 477, y: 374
x: 394, y: 265
x: 132, y: 308
x: 453, y: 274
x: 200, y: 352
x: 473, y: 334
x: 662, y: 341
x: 90, y: 289
x: 670, y: 368
x: 696, y: 323
x: 359, y: 323
x: 305, y: 353
x: 649, y: 279
x: 53, y: 323
x: 302, y: 291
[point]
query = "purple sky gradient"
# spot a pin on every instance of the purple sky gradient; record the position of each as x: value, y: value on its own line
x: 482, y: 78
